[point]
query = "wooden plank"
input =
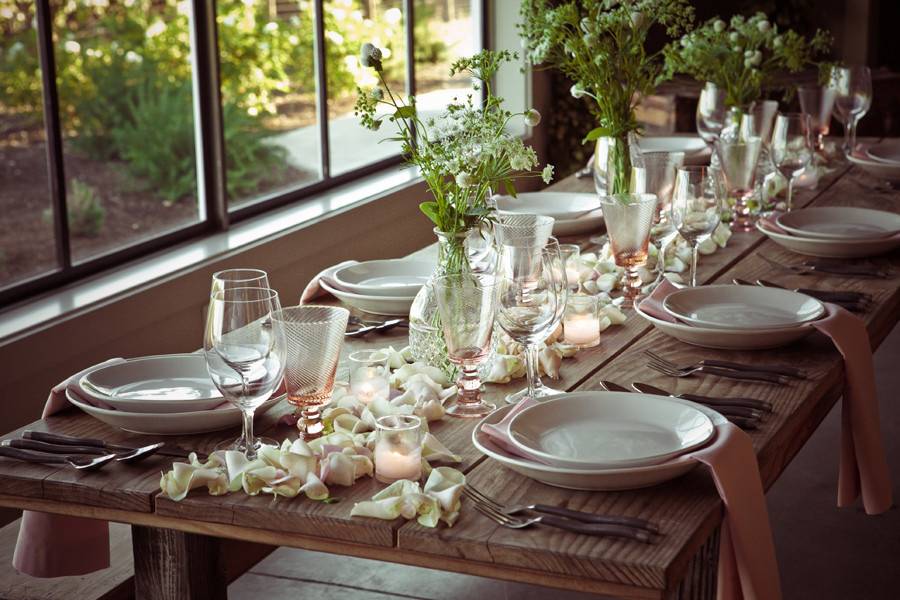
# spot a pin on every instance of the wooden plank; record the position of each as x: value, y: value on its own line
x: 173, y: 565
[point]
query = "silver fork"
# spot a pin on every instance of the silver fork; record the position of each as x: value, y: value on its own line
x: 733, y: 366
x: 667, y: 368
x: 505, y: 520
x: 559, y: 511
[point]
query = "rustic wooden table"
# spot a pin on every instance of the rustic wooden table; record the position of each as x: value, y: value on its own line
x: 177, y: 545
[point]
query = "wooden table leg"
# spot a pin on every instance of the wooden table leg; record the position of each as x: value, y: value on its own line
x: 173, y: 565
x: 700, y: 579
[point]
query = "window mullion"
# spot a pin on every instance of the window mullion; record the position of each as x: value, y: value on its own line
x: 321, y: 68
x: 208, y: 123
x: 53, y: 132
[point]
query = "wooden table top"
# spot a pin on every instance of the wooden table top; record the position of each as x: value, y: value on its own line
x: 688, y: 509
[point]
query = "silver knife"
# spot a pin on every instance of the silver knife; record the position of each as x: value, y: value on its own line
x: 752, y: 403
x: 58, y: 438
x: 777, y: 370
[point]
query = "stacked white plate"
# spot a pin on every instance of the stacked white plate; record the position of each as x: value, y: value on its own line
x: 696, y: 152
x: 603, y: 440
x: 881, y: 160
x: 160, y: 395
x: 381, y: 287
x: 836, y: 231
x: 737, y: 317
x: 573, y: 213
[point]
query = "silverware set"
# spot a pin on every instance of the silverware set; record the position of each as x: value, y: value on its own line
x: 831, y: 267
x: 562, y: 518
x: 358, y: 327
x: 761, y: 373
x: 849, y: 299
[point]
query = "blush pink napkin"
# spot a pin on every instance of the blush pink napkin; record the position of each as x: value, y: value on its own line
x: 863, y: 467
x: 499, y: 432
x: 52, y: 545
x: 313, y: 289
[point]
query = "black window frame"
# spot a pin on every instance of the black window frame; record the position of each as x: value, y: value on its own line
x: 215, y: 215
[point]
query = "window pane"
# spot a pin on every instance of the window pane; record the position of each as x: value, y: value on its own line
x: 348, y: 25
x: 27, y: 247
x: 445, y: 32
x: 268, y: 96
x: 124, y: 78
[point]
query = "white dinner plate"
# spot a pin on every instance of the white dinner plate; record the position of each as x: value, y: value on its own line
x: 696, y: 152
x: 185, y: 423
x: 391, y: 306
x: 627, y: 478
x: 885, y: 152
x: 397, y: 277
x: 170, y: 383
x: 613, y: 430
x: 840, y: 223
x: 728, y: 339
x: 830, y: 248
x: 879, y: 169
x: 573, y: 213
x: 742, y: 307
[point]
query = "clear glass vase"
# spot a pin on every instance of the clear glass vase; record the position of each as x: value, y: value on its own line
x: 458, y: 253
x: 614, y: 158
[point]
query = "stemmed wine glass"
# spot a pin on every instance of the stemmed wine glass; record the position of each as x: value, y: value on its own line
x: 853, y: 98
x: 657, y: 177
x: 628, y: 220
x: 791, y: 148
x: 245, y: 353
x: 528, y: 306
x: 235, y: 278
x: 696, y: 208
x: 710, y: 113
x: 467, y: 303
x: 738, y: 160
x: 817, y: 102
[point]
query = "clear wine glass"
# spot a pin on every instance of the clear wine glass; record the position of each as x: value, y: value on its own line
x: 657, y: 177
x: 245, y: 353
x: 710, y: 113
x: 528, y: 306
x: 791, y: 148
x: 696, y: 208
x: 629, y: 218
x: 467, y: 303
x: 817, y: 102
x: 853, y: 98
x: 235, y: 278
x: 738, y: 160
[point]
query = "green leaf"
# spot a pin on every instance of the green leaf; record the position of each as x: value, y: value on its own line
x: 595, y: 133
x: 510, y: 188
x: 405, y: 112
x: 431, y: 210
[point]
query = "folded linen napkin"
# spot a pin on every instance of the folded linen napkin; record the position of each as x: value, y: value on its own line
x: 52, y: 545
x: 863, y: 467
x: 499, y: 432
x: 313, y: 289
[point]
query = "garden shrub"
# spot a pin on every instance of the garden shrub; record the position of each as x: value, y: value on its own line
x: 85, y: 207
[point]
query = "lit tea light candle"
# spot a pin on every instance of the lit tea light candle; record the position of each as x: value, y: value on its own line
x: 369, y: 376
x: 398, y: 448
x: 581, y: 323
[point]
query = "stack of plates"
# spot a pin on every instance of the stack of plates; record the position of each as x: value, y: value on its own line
x: 696, y: 152
x: 159, y: 395
x: 881, y: 160
x: 381, y: 287
x: 836, y: 231
x: 573, y: 213
x: 737, y: 317
x: 603, y: 440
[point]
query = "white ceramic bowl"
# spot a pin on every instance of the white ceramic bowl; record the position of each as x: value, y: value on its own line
x: 391, y: 306
x: 887, y: 152
x: 843, y: 223
x: 881, y: 170
x: 830, y: 248
x: 696, y: 152
x: 400, y: 278
x: 742, y: 307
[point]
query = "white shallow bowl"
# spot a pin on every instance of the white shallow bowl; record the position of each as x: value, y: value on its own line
x: 390, y: 306
x: 696, y: 152
x: 171, y: 383
x: 573, y: 213
x: 728, y: 339
x: 881, y: 170
x: 840, y: 223
x: 627, y: 478
x: 742, y: 307
x: 397, y: 277
x: 831, y: 248
x: 885, y: 152
x: 614, y: 430
x: 184, y: 423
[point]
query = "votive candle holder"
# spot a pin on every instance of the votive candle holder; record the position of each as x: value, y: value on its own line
x: 581, y: 321
x: 369, y: 375
x: 398, y: 448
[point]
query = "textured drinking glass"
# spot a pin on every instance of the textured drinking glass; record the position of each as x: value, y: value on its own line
x: 657, y: 177
x: 235, y: 278
x: 571, y: 254
x: 581, y: 323
x: 315, y: 335
x: 791, y: 148
x: 629, y: 218
x: 467, y: 303
x: 369, y: 375
x: 853, y: 97
x: 696, y: 209
x: 817, y: 102
x: 738, y: 160
x: 398, y: 448
x: 710, y: 113
x: 244, y: 349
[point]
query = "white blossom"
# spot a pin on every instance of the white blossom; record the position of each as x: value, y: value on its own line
x: 547, y: 173
x: 370, y: 55
x: 532, y: 118
x: 719, y: 26
x: 733, y: 37
x: 763, y: 26
x: 577, y: 91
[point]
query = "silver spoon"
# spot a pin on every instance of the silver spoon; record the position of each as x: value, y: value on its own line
x: 82, y: 463
x: 129, y: 456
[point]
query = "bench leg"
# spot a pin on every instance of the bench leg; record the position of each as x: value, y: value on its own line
x: 173, y: 565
